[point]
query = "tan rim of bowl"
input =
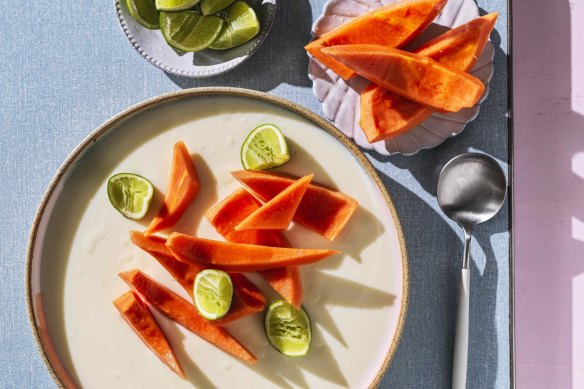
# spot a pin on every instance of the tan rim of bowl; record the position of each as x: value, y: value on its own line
x: 42, y: 338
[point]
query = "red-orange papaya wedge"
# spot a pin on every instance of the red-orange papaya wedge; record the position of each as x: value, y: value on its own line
x: 225, y: 215
x: 247, y: 298
x: 287, y: 281
x: 385, y: 114
x: 139, y: 317
x: 154, y: 245
x: 415, y: 77
x: 278, y: 212
x: 251, y: 299
x: 239, y: 257
x: 323, y: 210
x: 184, y: 314
x: 393, y: 25
x: 182, y: 189
x: 462, y: 46
x: 229, y: 213
x: 315, y: 47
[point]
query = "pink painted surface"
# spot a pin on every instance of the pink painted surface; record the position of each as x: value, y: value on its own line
x: 548, y: 54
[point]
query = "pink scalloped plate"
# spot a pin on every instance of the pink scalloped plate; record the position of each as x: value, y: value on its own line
x: 340, y: 99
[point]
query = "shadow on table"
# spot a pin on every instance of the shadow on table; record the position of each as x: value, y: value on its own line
x: 280, y: 60
x: 424, y: 356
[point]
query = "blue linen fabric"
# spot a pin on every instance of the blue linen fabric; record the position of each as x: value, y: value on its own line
x: 65, y: 67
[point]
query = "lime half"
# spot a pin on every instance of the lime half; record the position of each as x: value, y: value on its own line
x: 175, y: 5
x: 209, y: 7
x: 242, y: 26
x: 144, y: 12
x: 130, y: 194
x: 189, y: 31
x: 264, y: 148
x: 213, y: 292
x: 288, y: 329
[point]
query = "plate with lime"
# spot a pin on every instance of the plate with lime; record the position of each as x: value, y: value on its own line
x: 217, y: 237
x: 196, y: 38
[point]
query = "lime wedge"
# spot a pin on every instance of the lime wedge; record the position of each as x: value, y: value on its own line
x: 144, y: 12
x: 130, y: 194
x: 213, y: 292
x: 264, y: 148
x: 209, y: 7
x: 175, y: 5
x: 288, y: 329
x: 242, y: 25
x: 189, y: 31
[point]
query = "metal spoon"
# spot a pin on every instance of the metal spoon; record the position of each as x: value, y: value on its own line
x: 471, y: 190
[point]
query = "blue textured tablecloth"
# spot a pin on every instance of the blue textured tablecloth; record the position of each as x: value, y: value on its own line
x: 65, y: 67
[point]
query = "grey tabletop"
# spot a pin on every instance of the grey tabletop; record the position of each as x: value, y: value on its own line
x: 65, y: 67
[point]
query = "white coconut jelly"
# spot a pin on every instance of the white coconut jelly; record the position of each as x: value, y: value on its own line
x: 353, y: 299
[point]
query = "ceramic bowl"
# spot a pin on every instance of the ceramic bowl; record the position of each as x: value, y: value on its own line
x: 150, y: 44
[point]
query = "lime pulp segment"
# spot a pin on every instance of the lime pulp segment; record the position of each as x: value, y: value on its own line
x: 288, y: 329
x: 190, y: 31
x: 242, y: 26
x: 213, y: 292
x: 175, y: 5
x: 209, y: 7
x: 130, y: 194
x: 144, y: 12
x: 264, y: 148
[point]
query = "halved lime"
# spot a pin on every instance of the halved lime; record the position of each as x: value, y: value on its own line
x: 288, y: 329
x: 264, y: 148
x: 242, y: 26
x: 213, y: 292
x: 130, y: 194
x: 175, y: 5
x: 189, y: 31
x: 209, y: 7
x: 144, y: 12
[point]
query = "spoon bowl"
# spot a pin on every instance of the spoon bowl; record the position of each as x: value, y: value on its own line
x: 471, y: 189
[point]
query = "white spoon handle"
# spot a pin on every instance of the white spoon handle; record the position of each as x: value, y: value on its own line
x: 461, y: 341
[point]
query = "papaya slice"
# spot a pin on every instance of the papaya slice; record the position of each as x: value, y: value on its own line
x: 139, y: 317
x: 239, y: 257
x: 461, y: 47
x: 277, y: 213
x: 247, y: 298
x: 229, y: 213
x: 393, y: 25
x: 323, y: 210
x: 315, y: 47
x: 154, y: 245
x: 182, y: 189
x: 225, y: 215
x: 184, y: 313
x: 415, y: 77
x: 385, y: 114
x: 287, y: 281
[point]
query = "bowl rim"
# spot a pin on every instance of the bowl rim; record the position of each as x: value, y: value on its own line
x: 44, y: 342
x: 208, y: 71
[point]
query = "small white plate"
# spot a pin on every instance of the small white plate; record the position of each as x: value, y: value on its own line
x: 356, y: 300
x: 150, y: 44
x: 340, y: 99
